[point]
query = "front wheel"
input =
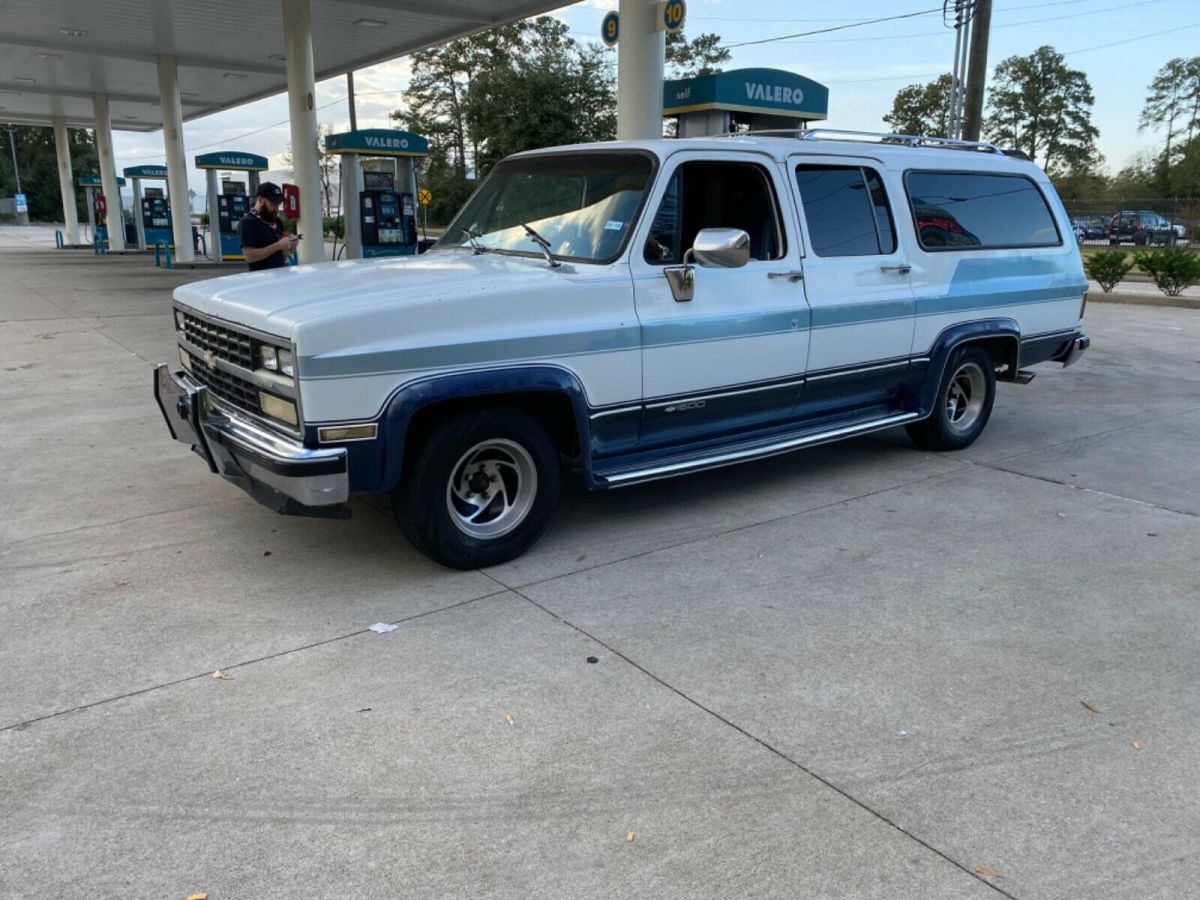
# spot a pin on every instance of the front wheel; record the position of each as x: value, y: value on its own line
x: 480, y: 489
x: 963, y: 405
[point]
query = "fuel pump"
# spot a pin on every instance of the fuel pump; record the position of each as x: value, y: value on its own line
x: 152, y: 219
x: 97, y: 205
x: 379, y: 202
x: 229, y: 202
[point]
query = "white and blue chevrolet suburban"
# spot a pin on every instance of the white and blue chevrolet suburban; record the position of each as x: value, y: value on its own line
x: 632, y: 310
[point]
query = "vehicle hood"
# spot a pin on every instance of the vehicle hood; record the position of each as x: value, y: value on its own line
x: 278, y: 301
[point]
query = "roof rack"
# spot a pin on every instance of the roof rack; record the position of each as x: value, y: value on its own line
x: 835, y: 134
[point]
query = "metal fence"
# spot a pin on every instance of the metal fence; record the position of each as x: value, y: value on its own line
x: 1136, y: 223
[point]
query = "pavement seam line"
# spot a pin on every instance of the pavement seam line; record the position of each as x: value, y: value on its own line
x: 1088, y: 437
x: 246, y: 662
x: 715, y: 534
x: 161, y: 512
x: 1087, y: 490
x: 84, y: 324
x: 762, y: 743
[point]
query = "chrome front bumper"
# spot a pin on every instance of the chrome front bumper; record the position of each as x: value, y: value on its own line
x: 277, y: 471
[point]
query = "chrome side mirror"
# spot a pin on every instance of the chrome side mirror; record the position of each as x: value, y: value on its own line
x: 714, y: 248
x: 721, y: 248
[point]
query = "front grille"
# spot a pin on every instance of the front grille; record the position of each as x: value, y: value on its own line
x: 224, y: 343
x: 229, y: 388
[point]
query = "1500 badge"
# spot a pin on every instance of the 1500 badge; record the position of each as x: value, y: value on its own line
x: 686, y: 406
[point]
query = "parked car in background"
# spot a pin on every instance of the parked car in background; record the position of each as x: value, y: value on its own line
x: 1179, y: 228
x: 1091, y: 227
x: 1143, y: 227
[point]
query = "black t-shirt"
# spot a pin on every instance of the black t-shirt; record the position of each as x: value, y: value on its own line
x: 257, y: 233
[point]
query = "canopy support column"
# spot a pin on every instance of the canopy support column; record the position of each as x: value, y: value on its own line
x: 177, y: 187
x: 640, y: 54
x: 139, y: 226
x: 66, y: 181
x: 108, y: 173
x: 297, y: 47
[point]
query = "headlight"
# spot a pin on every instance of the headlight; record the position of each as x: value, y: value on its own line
x: 284, y: 358
x: 180, y: 322
x: 266, y: 355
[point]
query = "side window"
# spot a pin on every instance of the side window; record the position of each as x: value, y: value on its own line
x: 715, y: 195
x: 961, y: 210
x: 847, y: 211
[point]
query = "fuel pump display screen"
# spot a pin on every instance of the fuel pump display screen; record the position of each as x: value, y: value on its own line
x: 378, y: 181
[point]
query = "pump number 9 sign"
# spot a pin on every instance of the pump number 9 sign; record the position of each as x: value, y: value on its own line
x: 610, y: 29
x: 673, y: 14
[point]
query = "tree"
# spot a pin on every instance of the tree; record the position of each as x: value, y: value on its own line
x: 922, y: 108
x: 515, y: 87
x: 1168, y: 102
x: 327, y: 166
x: 687, y: 59
x: 553, y: 92
x: 1040, y: 106
x: 436, y: 97
x: 39, y: 168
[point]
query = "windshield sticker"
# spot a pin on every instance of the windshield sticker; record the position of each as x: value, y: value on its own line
x: 613, y: 225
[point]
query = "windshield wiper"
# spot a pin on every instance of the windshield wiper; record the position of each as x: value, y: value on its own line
x: 473, y: 239
x: 544, y: 244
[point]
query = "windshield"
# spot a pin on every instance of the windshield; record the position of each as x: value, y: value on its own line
x: 583, y: 204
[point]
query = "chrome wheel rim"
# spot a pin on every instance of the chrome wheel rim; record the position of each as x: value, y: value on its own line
x: 491, y: 489
x: 964, y: 397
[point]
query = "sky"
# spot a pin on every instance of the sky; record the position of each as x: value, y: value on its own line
x: 1119, y: 45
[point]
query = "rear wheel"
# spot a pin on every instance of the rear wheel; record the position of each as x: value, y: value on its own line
x: 963, y: 405
x: 480, y: 489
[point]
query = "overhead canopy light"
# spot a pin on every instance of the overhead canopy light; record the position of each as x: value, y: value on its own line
x: 73, y: 32
x: 277, y: 57
x: 233, y: 75
x: 24, y: 79
x: 49, y: 56
x: 370, y: 23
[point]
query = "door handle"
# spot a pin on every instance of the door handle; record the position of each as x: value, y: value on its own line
x: 792, y: 276
x: 901, y: 269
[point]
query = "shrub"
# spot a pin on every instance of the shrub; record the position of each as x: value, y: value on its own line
x: 1107, y: 267
x: 1173, y: 268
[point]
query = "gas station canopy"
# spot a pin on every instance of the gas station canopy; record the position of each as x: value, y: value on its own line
x: 55, y: 54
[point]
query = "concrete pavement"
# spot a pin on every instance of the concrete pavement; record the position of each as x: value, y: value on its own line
x: 859, y: 671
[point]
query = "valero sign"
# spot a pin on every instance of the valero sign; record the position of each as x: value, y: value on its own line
x: 771, y: 91
x: 377, y: 142
x: 232, y: 159
x: 145, y: 172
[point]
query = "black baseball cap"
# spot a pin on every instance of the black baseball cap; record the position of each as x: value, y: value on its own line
x: 269, y: 190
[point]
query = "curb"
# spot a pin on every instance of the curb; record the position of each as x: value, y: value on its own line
x: 1144, y: 299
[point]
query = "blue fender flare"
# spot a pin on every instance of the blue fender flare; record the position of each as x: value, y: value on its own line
x: 950, y: 340
x: 411, y: 398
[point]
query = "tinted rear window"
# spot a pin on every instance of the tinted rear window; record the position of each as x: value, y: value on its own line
x: 971, y: 210
x: 846, y: 210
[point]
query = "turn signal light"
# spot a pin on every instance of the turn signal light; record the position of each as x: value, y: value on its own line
x: 347, y: 433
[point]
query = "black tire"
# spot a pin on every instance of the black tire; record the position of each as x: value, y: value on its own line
x: 969, y: 371
x: 513, y: 445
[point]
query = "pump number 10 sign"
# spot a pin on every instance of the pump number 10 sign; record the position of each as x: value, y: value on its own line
x: 673, y: 14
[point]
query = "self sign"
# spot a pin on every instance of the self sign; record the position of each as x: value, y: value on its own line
x: 610, y: 29
x: 673, y: 14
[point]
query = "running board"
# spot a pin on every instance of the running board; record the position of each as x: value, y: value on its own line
x: 759, y: 450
